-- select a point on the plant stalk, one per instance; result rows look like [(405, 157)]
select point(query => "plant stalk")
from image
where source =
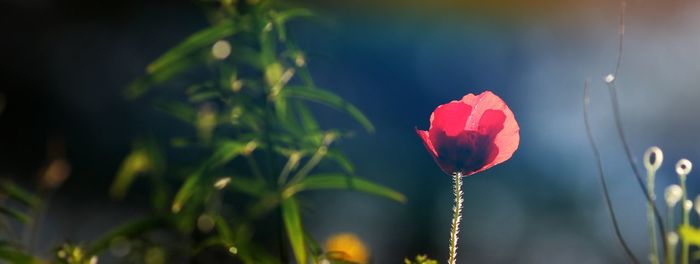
[(653, 250), (670, 249), (456, 217), (603, 181), (684, 241)]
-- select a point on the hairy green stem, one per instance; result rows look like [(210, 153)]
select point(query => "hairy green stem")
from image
[(456, 217), (653, 250)]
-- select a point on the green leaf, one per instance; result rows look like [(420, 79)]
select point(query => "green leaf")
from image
[(251, 187), (341, 159), (140, 86), (281, 19), (203, 96), (15, 192), (227, 150), (308, 123), (330, 99), (314, 248), (295, 233), (223, 229), (340, 181), (192, 51), (247, 55), (144, 157), (216, 242), (19, 216), (186, 191), (286, 15), (194, 42), (690, 234), (137, 162), (184, 112), (127, 230), (15, 256)]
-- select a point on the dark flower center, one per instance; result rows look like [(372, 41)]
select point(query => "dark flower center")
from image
[(466, 152)]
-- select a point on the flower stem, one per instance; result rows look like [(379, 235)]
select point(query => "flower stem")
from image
[(671, 250), (685, 222), (653, 251), (456, 217)]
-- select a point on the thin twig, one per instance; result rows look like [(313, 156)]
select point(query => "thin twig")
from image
[(621, 35), (601, 175), (618, 123), (633, 163)]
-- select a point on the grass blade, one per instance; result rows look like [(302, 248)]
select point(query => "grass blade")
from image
[(15, 192), (15, 214), (128, 230), (13, 255), (330, 99), (340, 181), (295, 233), (186, 191), (194, 42)]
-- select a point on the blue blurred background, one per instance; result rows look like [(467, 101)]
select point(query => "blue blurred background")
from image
[(65, 64)]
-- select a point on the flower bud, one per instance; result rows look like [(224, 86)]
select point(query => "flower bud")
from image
[(683, 167), (672, 238), (653, 158), (687, 205), (673, 194)]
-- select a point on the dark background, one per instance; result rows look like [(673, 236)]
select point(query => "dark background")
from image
[(64, 64)]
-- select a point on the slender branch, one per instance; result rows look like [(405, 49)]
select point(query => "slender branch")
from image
[(618, 122), (601, 175), (632, 162), (621, 37), (456, 217)]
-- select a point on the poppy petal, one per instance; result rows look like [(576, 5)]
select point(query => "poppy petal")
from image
[(488, 111), (450, 118), (426, 141), (480, 103), (508, 139)]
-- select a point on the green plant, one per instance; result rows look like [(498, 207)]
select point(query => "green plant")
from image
[(251, 144), (420, 259), (16, 218)]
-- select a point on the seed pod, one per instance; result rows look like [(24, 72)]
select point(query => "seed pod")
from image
[(653, 158), (683, 167), (687, 205), (673, 195)]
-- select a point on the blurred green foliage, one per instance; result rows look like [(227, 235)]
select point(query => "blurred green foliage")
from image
[(254, 146), (16, 207), (420, 259)]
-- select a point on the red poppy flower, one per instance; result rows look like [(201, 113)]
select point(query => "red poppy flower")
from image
[(472, 134)]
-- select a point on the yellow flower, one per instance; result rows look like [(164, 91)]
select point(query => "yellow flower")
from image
[(347, 247)]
